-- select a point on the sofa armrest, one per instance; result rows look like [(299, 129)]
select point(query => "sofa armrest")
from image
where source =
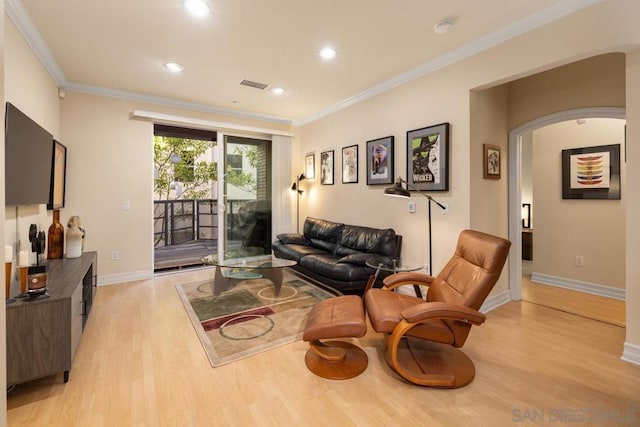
[(293, 238)]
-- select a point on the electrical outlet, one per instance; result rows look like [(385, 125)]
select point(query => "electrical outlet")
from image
[(579, 260), (126, 205), (115, 256), (412, 207)]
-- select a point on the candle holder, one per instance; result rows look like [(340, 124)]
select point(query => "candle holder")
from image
[(24, 272), (7, 283)]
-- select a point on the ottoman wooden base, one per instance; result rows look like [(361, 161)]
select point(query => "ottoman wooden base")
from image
[(336, 318), (352, 363)]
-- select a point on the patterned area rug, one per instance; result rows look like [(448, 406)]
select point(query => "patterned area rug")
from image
[(248, 318)]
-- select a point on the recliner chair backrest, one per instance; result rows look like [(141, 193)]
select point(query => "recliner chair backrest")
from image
[(473, 270)]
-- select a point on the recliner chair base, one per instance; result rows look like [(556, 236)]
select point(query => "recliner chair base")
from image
[(431, 364)]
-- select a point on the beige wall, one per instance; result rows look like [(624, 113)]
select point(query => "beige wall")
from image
[(592, 82), (632, 200), (394, 113), (564, 229), (489, 197)]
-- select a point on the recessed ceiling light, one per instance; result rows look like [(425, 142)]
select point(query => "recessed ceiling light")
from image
[(277, 90), (197, 7), (328, 53), (174, 67), (443, 27)]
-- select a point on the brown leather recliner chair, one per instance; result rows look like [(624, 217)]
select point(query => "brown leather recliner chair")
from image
[(423, 336)]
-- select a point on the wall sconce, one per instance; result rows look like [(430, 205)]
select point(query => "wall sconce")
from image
[(526, 215)]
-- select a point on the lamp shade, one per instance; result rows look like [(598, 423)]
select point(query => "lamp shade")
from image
[(397, 190)]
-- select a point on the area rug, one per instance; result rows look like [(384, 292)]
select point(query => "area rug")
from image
[(248, 318)]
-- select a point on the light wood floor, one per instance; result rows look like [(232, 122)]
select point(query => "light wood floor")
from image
[(140, 364), (595, 307)]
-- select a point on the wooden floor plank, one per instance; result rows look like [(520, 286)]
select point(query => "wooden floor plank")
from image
[(140, 363), (595, 307)]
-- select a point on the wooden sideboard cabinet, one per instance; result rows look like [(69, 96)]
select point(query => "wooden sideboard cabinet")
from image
[(43, 334)]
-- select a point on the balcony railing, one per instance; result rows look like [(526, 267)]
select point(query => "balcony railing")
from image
[(180, 221)]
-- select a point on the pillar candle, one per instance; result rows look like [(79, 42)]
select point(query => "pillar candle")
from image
[(23, 260), (8, 253)]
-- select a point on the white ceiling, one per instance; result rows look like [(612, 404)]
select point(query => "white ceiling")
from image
[(119, 47)]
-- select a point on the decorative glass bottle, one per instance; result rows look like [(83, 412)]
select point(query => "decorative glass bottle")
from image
[(75, 236), (55, 246)]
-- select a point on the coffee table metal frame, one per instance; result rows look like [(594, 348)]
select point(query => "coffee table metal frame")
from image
[(230, 272)]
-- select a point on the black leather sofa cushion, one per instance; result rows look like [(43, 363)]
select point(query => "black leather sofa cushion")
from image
[(328, 266), (370, 240)]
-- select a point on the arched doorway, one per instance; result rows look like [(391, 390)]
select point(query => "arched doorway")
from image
[(515, 172)]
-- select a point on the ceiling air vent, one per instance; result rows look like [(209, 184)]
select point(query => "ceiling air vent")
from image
[(256, 85)]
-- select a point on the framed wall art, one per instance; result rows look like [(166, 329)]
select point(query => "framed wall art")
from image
[(326, 168), (428, 158), (58, 176), (491, 160), (310, 166), (591, 172), (380, 159), (350, 164)]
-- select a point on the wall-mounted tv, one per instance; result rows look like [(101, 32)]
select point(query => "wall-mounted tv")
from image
[(28, 158)]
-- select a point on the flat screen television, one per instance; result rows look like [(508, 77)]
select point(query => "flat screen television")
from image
[(28, 160)]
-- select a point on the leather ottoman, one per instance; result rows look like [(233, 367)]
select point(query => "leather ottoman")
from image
[(340, 317)]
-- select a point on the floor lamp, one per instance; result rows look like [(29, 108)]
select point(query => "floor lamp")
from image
[(398, 191), (296, 187)]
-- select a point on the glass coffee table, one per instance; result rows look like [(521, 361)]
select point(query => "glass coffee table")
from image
[(229, 272), (395, 268)]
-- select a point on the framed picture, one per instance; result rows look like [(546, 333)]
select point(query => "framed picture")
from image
[(380, 159), (326, 168), (350, 164), (310, 166), (491, 161), (58, 176), (428, 158), (591, 172)]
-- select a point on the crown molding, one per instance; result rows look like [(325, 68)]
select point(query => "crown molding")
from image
[(529, 23), (23, 22), (170, 102)]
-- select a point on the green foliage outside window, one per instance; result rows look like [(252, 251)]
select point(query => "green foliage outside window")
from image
[(192, 173)]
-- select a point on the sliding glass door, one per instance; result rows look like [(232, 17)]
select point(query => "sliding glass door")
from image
[(246, 190)]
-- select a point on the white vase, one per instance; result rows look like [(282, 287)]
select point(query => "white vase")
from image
[(75, 236)]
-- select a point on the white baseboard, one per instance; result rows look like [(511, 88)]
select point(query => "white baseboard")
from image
[(576, 285), (631, 353), (494, 301), (112, 279)]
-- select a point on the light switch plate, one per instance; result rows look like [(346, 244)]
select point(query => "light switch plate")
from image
[(412, 207)]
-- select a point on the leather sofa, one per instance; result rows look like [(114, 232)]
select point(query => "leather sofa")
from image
[(335, 254)]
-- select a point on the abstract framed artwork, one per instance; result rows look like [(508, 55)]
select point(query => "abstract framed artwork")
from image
[(310, 166), (591, 172), (491, 160), (428, 158), (350, 164), (326, 167), (58, 176), (380, 161)]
